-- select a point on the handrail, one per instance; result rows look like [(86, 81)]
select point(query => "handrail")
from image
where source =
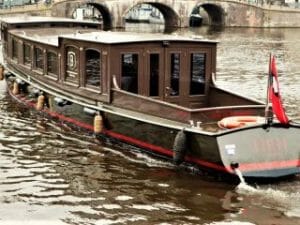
[(115, 83), (214, 79)]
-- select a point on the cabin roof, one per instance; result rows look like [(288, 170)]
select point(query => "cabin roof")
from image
[(47, 36), (51, 36)]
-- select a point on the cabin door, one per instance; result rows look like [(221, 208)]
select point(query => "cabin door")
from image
[(142, 71), (153, 84), (187, 75), (175, 62)]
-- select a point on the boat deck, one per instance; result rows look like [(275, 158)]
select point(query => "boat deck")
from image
[(49, 36)]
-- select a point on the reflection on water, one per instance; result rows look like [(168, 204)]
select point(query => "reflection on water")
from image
[(52, 175)]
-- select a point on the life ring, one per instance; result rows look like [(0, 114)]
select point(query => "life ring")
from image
[(240, 121)]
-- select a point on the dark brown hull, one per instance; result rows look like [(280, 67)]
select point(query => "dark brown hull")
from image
[(258, 151)]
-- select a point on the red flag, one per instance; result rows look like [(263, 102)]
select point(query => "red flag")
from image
[(274, 94)]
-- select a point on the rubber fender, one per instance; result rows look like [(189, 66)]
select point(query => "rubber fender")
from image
[(179, 147), (1, 72), (98, 124)]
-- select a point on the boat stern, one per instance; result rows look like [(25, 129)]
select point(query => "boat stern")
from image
[(261, 152)]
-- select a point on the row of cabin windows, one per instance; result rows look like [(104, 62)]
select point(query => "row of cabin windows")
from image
[(129, 68), (129, 81), (92, 67)]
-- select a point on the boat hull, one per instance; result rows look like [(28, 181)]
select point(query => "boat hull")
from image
[(258, 152)]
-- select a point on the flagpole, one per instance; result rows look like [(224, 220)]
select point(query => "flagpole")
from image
[(274, 103), (268, 112)]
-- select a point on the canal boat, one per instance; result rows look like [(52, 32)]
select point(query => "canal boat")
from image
[(144, 13), (156, 92), (196, 20)]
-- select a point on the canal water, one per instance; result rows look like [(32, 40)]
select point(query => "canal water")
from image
[(51, 174)]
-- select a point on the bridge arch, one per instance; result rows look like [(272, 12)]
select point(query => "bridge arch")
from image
[(106, 15), (71, 6), (171, 18), (216, 13)]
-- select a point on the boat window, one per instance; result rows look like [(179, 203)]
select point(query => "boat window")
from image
[(27, 54), (154, 75), (14, 49), (129, 72), (175, 74), (93, 68), (39, 59), (197, 83), (52, 63)]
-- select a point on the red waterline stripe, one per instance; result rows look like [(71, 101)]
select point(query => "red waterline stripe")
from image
[(208, 164), (60, 116), (164, 151), (139, 143), (270, 165), (107, 132), (70, 120), (243, 167)]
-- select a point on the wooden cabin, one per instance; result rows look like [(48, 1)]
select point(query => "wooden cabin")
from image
[(150, 73)]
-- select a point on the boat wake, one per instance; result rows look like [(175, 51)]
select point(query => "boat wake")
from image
[(246, 200), (140, 158), (2, 89), (280, 198), (230, 223)]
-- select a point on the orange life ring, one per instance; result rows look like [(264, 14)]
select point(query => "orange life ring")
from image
[(240, 121)]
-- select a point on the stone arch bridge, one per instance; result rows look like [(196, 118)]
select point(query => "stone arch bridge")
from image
[(234, 13)]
